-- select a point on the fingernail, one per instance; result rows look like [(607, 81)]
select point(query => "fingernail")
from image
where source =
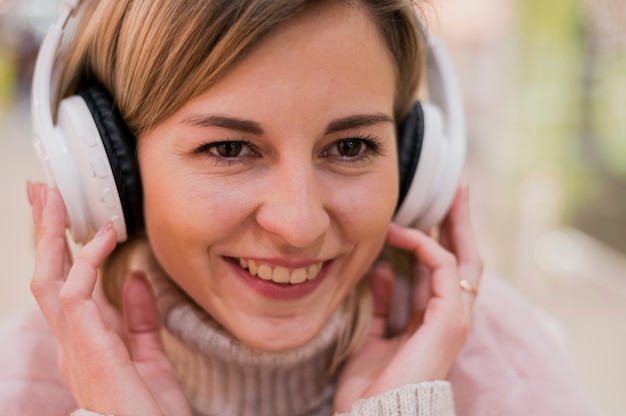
[(44, 196), (104, 229), (29, 191)]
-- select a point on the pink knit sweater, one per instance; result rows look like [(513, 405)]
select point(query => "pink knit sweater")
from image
[(513, 364)]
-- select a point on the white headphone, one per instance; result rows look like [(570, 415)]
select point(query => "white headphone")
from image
[(89, 155), (432, 183)]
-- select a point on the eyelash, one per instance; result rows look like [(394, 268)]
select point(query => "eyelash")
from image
[(373, 146), (205, 151)]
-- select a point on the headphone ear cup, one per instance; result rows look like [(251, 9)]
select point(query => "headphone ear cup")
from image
[(422, 184), (91, 159), (410, 135), (121, 149)]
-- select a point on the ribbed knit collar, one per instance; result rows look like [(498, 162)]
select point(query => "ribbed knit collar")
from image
[(224, 377)]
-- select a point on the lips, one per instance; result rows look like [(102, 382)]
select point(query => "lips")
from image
[(280, 274)]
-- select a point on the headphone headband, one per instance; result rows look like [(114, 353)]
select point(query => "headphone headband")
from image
[(42, 75)]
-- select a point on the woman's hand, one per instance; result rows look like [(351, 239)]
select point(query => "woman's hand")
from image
[(103, 375), (440, 316)]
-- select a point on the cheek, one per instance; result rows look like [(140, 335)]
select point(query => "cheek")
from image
[(191, 206), (363, 214), (186, 215), (372, 199), (364, 210)]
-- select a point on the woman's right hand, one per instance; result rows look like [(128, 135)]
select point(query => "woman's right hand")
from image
[(102, 373)]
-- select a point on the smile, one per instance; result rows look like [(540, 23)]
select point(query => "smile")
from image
[(280, 274)]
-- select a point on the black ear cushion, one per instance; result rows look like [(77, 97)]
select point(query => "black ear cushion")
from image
[(410, 136), (121, 148)]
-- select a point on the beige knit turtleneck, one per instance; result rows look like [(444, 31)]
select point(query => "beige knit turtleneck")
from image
[(224, 377)]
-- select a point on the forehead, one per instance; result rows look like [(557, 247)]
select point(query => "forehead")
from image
[(329, 57)]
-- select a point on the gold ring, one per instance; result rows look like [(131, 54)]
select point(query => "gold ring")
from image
[(468, 287)]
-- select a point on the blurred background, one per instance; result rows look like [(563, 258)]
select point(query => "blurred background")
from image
[(545, 90)]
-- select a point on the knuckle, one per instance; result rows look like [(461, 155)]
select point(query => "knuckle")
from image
[(448, 259), (83, 258), (67, 298), (37, 288)]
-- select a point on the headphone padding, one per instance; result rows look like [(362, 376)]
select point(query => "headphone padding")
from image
[(410, 136), (120, 145)]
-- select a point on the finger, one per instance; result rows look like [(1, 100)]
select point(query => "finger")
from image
[(455, 220), (76, 295), (420, 296), (440, 262), (458, 231), (381, 284), (52, 260), (459, 235), (401, 304), (30, 192), (142, 319), (445, 304), (35, 198)]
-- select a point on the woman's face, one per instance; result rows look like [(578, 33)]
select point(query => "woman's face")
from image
[(283, 171)]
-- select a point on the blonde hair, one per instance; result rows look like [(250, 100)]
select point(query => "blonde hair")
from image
[(153, 56)]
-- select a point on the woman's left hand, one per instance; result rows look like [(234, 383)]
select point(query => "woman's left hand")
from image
[(439, 321)]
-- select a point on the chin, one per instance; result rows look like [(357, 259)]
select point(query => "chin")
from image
[(285, 335)]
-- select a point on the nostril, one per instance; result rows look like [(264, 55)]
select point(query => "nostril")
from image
[(298, 227)]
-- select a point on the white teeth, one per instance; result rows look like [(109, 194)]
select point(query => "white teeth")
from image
[(281, 274), (252, 267), (312, 271), (265, 272), (298, 276)]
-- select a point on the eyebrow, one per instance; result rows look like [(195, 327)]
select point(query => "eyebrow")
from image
[(231, 123), (359, 120), (252, 127)]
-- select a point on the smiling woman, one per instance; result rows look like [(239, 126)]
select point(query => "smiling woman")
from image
[(259, 157), (285, 174)]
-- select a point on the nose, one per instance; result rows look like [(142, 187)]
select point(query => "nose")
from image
[(293, 207)]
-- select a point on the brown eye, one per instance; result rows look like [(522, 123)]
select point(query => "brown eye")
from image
[(349, 148), (228, 149)]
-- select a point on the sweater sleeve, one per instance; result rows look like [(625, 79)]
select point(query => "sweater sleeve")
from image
[(424, 399), (83, 412)]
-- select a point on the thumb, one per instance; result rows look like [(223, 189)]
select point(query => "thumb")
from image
[(141, 318), (381, 283)]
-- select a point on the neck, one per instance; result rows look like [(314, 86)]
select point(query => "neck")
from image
[(225, 377)]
